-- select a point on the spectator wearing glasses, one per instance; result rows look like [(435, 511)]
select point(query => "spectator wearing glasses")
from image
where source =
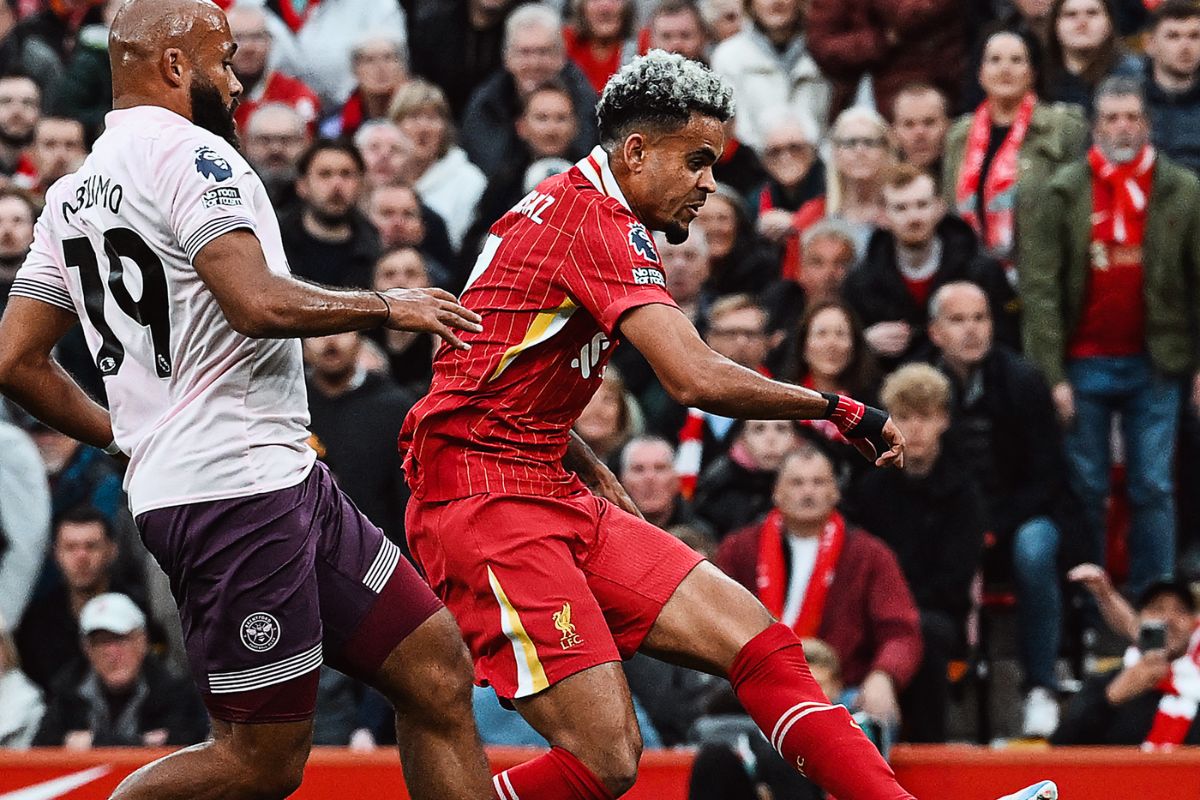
[(252, 65), (380, 69), (273, 138), (862, 155)]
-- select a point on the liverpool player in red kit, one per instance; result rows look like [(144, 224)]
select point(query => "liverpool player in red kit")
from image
[(551, 583)]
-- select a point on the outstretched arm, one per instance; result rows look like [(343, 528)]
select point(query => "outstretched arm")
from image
[(265, 304), (583, 462), (695, 375)]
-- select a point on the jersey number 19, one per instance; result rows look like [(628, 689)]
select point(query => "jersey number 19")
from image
[(150, 311)]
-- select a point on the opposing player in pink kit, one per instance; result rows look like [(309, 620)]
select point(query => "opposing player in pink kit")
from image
[(165, 247)]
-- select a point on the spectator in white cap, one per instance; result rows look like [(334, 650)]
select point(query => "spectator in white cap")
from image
[(125, 696)]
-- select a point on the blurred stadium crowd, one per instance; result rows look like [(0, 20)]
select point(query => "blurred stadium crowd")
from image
[(981, 215)]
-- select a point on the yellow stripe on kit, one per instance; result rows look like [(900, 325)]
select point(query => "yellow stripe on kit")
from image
[(531, 678), (544, 326)]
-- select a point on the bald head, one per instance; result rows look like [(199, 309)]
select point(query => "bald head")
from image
[(176, 54)]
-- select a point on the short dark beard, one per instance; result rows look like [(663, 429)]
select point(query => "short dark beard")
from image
[(676, 233), (16, 142), (330, 220), (210, 112)]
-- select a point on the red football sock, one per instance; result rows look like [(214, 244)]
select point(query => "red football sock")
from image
[(557, 775), (772, 680)]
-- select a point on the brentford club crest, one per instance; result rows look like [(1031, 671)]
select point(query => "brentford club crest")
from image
[(260, 632)]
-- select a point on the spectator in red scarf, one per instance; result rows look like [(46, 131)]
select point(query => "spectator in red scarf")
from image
[(824, 577), (997, 157), (598, 38), (380, 69), (1151, 699), (1110, 321), (251, 63), (795, 173)]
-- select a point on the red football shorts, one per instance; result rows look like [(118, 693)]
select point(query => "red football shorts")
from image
[(545, 587)]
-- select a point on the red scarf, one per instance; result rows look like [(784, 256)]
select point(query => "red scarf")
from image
[(1120, 193), (1180, 700), (772, 571), (294, 19), (999, 188), (690, 454)]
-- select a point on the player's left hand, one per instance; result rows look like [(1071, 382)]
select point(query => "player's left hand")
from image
[(605, 484), (885, 451), (431, 311)]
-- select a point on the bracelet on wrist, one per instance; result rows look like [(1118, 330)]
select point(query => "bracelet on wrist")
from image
[(387, 307)]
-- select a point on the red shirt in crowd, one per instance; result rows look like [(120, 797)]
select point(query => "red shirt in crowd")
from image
[(279, 88), (870, 618)]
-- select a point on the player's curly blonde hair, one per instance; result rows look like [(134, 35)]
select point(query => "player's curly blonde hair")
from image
[(660, 90)]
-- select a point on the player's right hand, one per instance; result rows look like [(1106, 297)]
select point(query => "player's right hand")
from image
[(892, 446), (431, 311)]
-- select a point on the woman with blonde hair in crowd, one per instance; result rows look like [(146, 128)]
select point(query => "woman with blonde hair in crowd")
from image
[(862, 151), (446, 180), (21, 704)]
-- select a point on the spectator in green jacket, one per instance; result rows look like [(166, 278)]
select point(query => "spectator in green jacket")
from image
[(1109, 268)]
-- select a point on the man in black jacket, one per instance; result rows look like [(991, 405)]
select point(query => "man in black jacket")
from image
[(457, 44), (1004, 424), (932, 515), (921, 248), (356, 417), (125, 697), (534, 53), (328, 240)]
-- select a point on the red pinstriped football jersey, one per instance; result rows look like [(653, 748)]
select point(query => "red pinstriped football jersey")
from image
[(555, 276)]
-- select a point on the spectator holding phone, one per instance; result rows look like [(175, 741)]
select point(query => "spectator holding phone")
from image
[(1153, 698)]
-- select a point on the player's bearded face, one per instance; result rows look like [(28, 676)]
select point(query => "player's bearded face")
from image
[(211, 111)]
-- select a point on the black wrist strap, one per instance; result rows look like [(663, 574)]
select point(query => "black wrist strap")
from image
[(832, 400), (870, 427)]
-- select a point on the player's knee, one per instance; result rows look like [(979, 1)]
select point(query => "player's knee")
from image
[(266, 771), (613, 757), (276, 780), (620, 763)]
